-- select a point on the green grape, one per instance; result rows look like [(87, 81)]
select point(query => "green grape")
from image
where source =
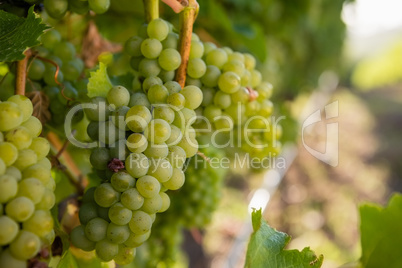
[(158, 131), (65, 50), (177, 100), (228, 50), (163, 112), (72, 69), (8, 153), (122, 181), (99, 158), (156, 150), (93, 130), (10, 116), (20, 137), (152, 205), (172, 87), (109, 133), (133, 46), (99, 6), (169, 59), (50, 76), (176, 181), (40, 146), (189, 145), (222, 99), (118, 96), (208, 47), (69, 92), (105, 195), (171, 41), (137, 165), (267, 108), (255, 78), (149, 82), (106, 250), (40, 223), (193, 82), (89, 195), (78, 6), (212, 112), (117, 234), (229, 82), (125, 256), (119, 117), (224, 122), (235, 66), (135, 240), (25, 246), (37, 171), (33, 125), (135, 62), (2, 167), (50, 38), (161, 169), (166, 76), (158, 29), (197, 49), (165, 202), (176, 157), (137, 143), (184, 118), (140, 223), (48, 200), (51, 185), (246, 78), (8, 230), (237, 56), (8, 260), (95, 229), (137, 118), (249, 61), (242, 95), (196, 68), (132, 199), (148, 186), (56, 8), (36, 69), (158, 94), (103, 213), (211, 76), (151, 48), (87, 212), (217, 57), (119, 214), (264, 91), (99, 110), (79, 240), (8, 188), (26, 158), (193, 96), (175, 136)]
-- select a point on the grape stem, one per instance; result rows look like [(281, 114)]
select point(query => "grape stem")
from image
[(69, 168), (151, 10), (187, 18), (21, 77)]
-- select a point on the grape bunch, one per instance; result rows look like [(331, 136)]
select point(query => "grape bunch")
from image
[(69, 86), (235, 99), (26, 185)]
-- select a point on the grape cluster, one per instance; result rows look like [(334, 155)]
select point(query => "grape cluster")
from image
[(69, 86), (26, 185)]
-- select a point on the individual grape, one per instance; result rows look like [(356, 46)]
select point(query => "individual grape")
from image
[(217, 57), (78, 6), (157, 94), (125, 256), (26, 158), (222, 99), (175, 136), (99, 6), (137, 165), (133, 46), (152, 205), (169, 59), (105, 195), (119, 214), (72, 69), (140, 223), (41, 147), (177, 100), (255, 78), (96, 229), (176, 157), (40, 223), (234, 66), (20, 137), (212, 112), (148, 186), (264, 91), (151, 48), (172, 87), (109, 133), (50, 77), (156, 150), (193, 96), (171, 41), (36, 69), (242, 95), (158, 131), (211, 76), (117, 234), (149, 82), (229, 82), (137, 118), (8, 188), (37, 171), (176, 181), (122, 181), (65, 51), (137, 143), (48, 200), (163, 112), (8, 230), (25, 246), (97, 110), (189, 145), (167, 76), (249, 61), (8, 260), (106, 250), (8, 153), (158, 29), (161, 169), (56, 8), (87, 212), (197, 49), (132, 199), (135, 240), (10, 116), (99, 158), (165, 202), (50, 39), (196, 68), (79, 239)]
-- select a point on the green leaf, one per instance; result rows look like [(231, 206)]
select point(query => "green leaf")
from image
[(266, 248), (67, 261), (381, 236), (17, 34), (99, 83)]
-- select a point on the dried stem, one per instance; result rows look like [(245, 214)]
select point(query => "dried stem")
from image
[(151, 9), (21, 77)]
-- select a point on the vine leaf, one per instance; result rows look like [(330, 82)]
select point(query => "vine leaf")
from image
[(266, 248), (40, 104), (17, 34), (381, 236), (99, 83)]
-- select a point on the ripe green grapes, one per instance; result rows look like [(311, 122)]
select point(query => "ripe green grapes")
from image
[(26, 185)]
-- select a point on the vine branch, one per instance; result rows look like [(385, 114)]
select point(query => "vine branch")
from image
[(21, 77)]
